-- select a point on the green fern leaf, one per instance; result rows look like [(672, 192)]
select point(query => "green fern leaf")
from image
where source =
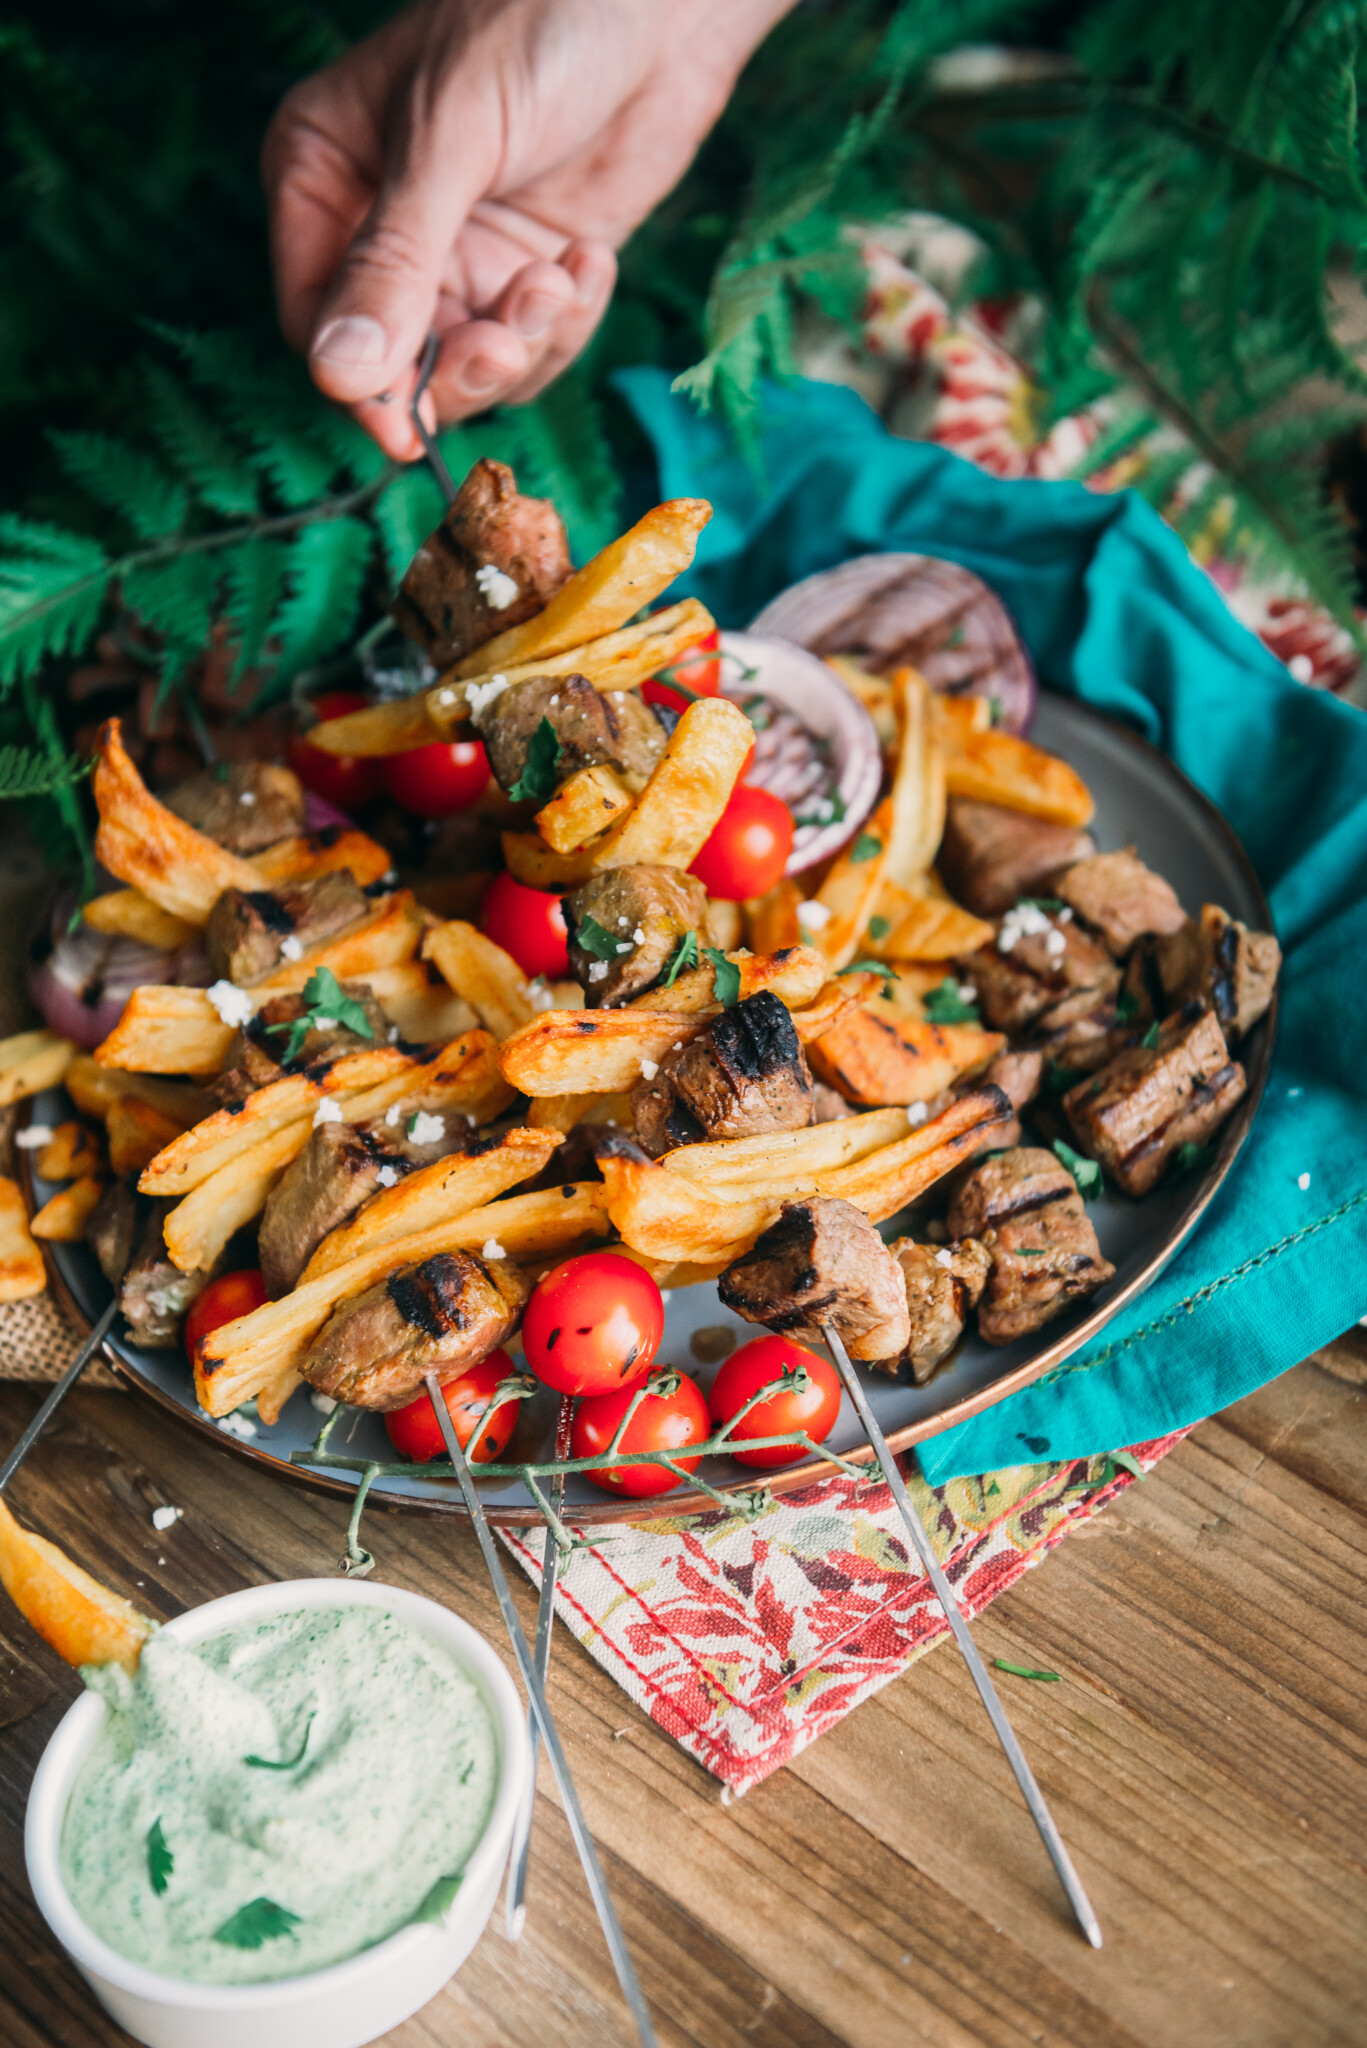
[(175, 598), (30, 772), (409, 509), (326, 572), (125, 479), (255, 578), (52, 589), (218, 472)]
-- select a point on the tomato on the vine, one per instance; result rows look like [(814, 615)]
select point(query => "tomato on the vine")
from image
[(529, 924), (414, 1431), (699, 671), (593, 1324), (782, 1413), (667, 1422), (747, 849), (223, 1301), (435, 780), (347, 780)]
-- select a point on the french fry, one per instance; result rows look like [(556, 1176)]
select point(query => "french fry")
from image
[(562, 1112), (463, 1079), (998, 768), (95, 1089), (381, 728), (956, 718), (898, 1058), (198, 1228), (725, 925), (591, 1052), (305, 858), (448, 1187), (918, 787), (234, 1363), (62, 1219), (687, 791), (911, 926), (775, 1159), (850, 890), (425, 1008), (167, 1030), (873, 692), (489, 979), (671, 1217), (529, 859), (30, 1062), (392, 935), (795, 977), (152, 849), (771, 922), (85, 1622), (71, 1152), (128, 914), (840, 994), (886, 1181), (22, 1271), (137, 1133), (582, 808)]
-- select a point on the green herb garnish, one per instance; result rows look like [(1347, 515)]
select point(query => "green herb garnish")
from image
[(889, 974), (865, 847), (1191, 1158), (1050, 905), (325, 1002), (759, 711), (437, 1902), (259, 1921), (160, 1861), (879, 927), (1127, 1006), (1086, 1173), (1024, 1671), (685, 955), (1030, 1251), (595, 939), (994, 710), (261, 1763), (726, 977), (1060, 1079), (944, 1005), (538, 778), (1150, 1039), (835, 814)]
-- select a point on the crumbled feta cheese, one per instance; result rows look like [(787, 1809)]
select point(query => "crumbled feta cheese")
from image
[(392, 1114), (917, 1114), (479, 696), (162, 1518), (496, 587), (292, 948), (624, 945), (393, 1034), (492, 1249), (324, 1403), (677, 1045), (816, 916), (1023, 920), (390, 877), (1303, 1181), (945, 1259), (639, 935), (446, 697), (1064, 916), (328, 1112), (426, 1129), (248, 797), (598, 970), (388, 1176), (621, 924), (1056, 945), (233, 1004), (240, 1426), (322, 1023), (553, 701), (540, 995), (35, 1135), (649, 1069)]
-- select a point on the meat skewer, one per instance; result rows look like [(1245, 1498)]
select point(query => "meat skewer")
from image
[(58, 1395), (515, 1899), (427, 362), (531, 1678)]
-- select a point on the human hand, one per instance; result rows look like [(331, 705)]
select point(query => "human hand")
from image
[(470, 169)]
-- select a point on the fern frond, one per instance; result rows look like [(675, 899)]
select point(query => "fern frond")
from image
[(28, 772), (216, 469), (405, 513), (326, 573), (254, 574), (131, 483), (175, 598), (52, 589)]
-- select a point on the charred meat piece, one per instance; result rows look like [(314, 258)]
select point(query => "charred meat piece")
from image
[(595, 728), (496, 559), (1119, 897), (250, 931), (1026, 1212), (645, 911), (943, 1283), (1134, 1114), (1019, 1075), (990, 856), (744, 1075), (125, 1231), (823, 1262), (244, 805), (440, 1316), (1038, 960), (1241, 969), (254, 1057), (112, 1227)]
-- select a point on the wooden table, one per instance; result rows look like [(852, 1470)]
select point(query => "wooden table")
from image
[(1206, 1757)]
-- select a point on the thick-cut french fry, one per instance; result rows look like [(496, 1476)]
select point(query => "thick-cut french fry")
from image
[(85, 1622), (998, 768), (448, 1187), (774, 1159), (233, 1363), (70, 1153), (425, 1008), (95, 1089), (886, 1181), (672, 1217), (908, 925), (152, 849), (771, 922), (687, 791), (167, 1030), (198, 1228), (394, 934), (390, 728), (490, 980), (560, 1112), (128, 914), (850, 890), (897, 1058), (582, 808), (873, 692), (955, 718), (529, 859), (841, 993), (796, 977), (463, 1079), (137, 1133), (62, 1219), (624, 577), (22, 1271), (918, 787), (314, 854), (30, 1062), (591, 1052)]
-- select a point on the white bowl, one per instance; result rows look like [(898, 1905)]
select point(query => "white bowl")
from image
[(351, 2002)]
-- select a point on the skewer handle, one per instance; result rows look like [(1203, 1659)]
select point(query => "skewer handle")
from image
[(963, 1636), (515, 1892), (435, 461), (58, 1395)]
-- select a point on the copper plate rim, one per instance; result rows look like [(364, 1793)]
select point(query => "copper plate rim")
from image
[(693, 1501)]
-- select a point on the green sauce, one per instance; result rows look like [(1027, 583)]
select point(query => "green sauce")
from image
[(391, 1766)]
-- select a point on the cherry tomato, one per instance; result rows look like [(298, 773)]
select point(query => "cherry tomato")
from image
[(413, 1429), (750, 1368), (593, 1324), (747, 849), (434, 781), (529, 924), (698, 671), (347, 780), (663, 1422), (223, 1301)]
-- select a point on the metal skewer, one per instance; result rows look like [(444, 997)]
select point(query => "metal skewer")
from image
[(954, 1615), (583, 1840), (57, 1396), (427, 362), (515, 1897)]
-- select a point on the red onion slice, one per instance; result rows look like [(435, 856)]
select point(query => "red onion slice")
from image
[(81, 984)]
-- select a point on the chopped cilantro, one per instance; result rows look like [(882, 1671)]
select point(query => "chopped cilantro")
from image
[(1127, 1006), (1048, 904), (726, 978), (865, 847), (1150, 1039), (879, 927), (889, 974), (259, 1921), (1191, 1158), (1085, 1172), (685, 955), (289, 1763), (1025, 1671), (324, 998), (944, 1005), (437, 1902), (160, 1861), (595, 939), (537, 781)]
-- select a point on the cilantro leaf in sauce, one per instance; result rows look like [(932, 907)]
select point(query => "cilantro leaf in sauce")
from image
[(160, 1861), (256, 1923)]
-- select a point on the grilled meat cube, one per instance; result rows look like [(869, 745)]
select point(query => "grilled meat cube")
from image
[(249, 929), (1240, 970), (1024, 1209), (440, 1316), (1134, 1114), (943, 1283), (595, 728), (1120, 898), (1081, 1033), (1019, 1075), (255, 1055), (1038, 960), (828, 1104), (449, 601), (659, 904), (823, 1262), (990, 856), (125, 1231), (244, 805), (744, 1075)]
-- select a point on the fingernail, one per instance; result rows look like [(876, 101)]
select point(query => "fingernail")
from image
[(355, 340), (481, 373), (534, 314)]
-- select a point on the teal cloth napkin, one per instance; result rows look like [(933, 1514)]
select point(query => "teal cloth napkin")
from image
[(1114, 611)]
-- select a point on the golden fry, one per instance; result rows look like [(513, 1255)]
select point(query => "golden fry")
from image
[(62, 1219), (85, 1622), (489, 979), (918, 788), (137, 1133), (198, 1228), (94, 1090), (167, 1030), (957, 718), (998, 768), (152, 849), (687, 790), (672, 1217), (71, 1152), (392, 935), (591, 1052), (850, 890), (840, 994), (530, 860), (305, 858), (463, 1079), (424, 1006), (771, 922), (22, 1271), (128, 914), (796, 980), (773, 1159), (886, 1181), (587, 804), (908, 925), (896, 1058), (873, 692), (30, 1062)]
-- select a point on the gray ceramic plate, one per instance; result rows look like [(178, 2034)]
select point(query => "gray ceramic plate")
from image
[(1142, 800)]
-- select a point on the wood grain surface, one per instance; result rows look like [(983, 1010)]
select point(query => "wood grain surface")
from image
[(1205, 1756)]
